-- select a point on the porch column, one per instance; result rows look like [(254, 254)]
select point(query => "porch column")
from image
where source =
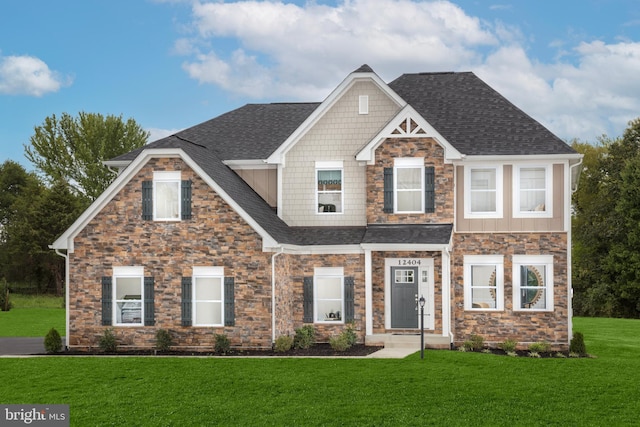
[(368, 293), (446, 292)]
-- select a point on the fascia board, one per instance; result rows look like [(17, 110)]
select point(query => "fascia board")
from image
[(427, 247), (367, 153), (279, 154), (321, 249), (521, 157), (65, 241)]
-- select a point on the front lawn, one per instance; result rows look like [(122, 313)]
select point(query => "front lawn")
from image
[(33, 316), (446, 388)]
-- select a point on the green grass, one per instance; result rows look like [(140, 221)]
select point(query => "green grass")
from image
[(447, 388), (32, 316)]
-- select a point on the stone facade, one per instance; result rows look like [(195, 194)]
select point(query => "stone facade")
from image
[(215, 236), (523, 327)]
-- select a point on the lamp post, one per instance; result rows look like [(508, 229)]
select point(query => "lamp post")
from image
[(421, 301)]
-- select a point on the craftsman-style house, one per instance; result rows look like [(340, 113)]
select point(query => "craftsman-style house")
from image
[(273, 216)]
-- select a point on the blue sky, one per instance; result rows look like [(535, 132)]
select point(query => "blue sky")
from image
[(574, 65)]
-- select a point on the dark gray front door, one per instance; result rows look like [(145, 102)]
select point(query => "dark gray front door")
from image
[(404, 291)]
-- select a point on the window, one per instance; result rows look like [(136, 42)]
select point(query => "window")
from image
[(363, 104), (329, 187), (483, 195), (532, 191), (328, 296), (208, 298), (127, 293), (166, 198), (533, 282), (484, 282)]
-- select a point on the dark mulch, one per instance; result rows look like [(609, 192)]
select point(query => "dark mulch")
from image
[(318, 350), (527, 353)]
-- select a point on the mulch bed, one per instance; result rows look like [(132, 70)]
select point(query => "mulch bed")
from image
[(318, 350)]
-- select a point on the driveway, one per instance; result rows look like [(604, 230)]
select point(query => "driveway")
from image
[(17, 346)]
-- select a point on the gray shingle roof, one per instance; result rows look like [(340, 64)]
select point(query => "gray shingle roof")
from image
[(473, 117)]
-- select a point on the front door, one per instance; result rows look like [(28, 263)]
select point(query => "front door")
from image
[(404, 294)]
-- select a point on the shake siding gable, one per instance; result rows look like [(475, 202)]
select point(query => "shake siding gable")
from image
[(338, 135)]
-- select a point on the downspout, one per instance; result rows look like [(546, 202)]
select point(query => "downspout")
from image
[(66, 296), (273, 295)]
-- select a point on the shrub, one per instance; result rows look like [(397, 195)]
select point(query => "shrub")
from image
[(108, 342), (164, 341), (509, 345), (5, 300), (305, 337), (467, 346), (222, 344), (350, 333), (52, 341), (540, 347), (283, 343), (534, 354), (340, 342), (477, 342), (577, 344)]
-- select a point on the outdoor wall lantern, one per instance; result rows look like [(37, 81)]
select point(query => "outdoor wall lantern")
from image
[(421, 302)]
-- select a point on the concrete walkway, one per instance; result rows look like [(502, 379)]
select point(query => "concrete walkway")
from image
[(25, 346)]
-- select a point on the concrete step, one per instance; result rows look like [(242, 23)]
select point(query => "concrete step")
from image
[(407, 340)]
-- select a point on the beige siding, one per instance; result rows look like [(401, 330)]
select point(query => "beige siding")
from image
[(508, 223), (263, 181), (338, 135)]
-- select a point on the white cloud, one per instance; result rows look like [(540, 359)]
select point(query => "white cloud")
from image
[(27, 75), (157, 133), (276, 50)]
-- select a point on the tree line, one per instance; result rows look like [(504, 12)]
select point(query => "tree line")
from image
[(36, 207)]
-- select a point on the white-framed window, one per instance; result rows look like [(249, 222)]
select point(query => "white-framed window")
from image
[(484, 282), (409, 185), (532, 191), (483, 195), (328, 294), (363, 104), (128, 290), (533, 282), (329, 187), (208, 296), (166, 195)]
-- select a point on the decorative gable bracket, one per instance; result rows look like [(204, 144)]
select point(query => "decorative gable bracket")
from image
[(407, 123)]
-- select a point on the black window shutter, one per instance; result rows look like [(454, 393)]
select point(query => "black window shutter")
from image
[(107, 302), (186, 301), (186, 199), (388, 190), (147, 200), (229, 302), (349, 304), (307, 300), (429, 189), (149, 309)]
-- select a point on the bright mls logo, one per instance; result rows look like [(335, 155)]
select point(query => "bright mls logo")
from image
[(36, 415)]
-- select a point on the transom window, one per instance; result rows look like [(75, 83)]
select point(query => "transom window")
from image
[(483, 197), (484, 282), (533, 282), (166, 195), (127, 294), (208, 296), (329, 187), (532, 191), (409, 185), (329, 294)]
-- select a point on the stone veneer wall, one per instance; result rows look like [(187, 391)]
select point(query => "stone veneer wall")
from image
[(291, 270), (215, 236), (378, 285), (524, 327), (433, 154)]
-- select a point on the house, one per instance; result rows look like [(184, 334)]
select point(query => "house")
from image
[(273, 216)]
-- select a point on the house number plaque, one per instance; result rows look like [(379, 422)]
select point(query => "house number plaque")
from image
[(409, 262)]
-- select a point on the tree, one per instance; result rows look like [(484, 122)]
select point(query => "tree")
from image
[(606, 227), (72, 149)]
